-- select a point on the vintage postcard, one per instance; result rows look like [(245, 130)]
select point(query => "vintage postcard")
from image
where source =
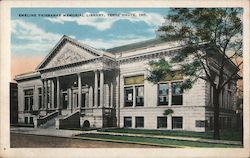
[(122, 79)]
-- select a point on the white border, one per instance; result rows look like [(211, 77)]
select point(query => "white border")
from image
[(5, 62)]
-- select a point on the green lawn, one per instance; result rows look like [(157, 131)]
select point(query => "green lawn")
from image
[(225, 134), (155, 141)]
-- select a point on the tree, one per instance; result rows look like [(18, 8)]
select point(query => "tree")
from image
[(211, 39)]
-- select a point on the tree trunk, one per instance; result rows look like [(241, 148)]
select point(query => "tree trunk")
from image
[(216, 103)]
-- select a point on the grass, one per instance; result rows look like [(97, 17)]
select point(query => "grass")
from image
[(153, 141), (225, 134)]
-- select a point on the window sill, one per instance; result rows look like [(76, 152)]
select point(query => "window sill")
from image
[(162, 105)]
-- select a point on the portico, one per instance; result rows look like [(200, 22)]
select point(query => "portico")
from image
[(77, 80)]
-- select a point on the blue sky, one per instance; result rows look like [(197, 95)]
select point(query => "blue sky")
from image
[(35, 36)]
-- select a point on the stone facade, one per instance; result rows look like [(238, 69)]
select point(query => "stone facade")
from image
[(107, 88)]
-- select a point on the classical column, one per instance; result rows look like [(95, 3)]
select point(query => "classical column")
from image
[(43, 105), (101, 88), (52, 103), (96, 90), (111, 94), (58, 93), (49, 94), (79, 90), (90, 96), (46, 94)]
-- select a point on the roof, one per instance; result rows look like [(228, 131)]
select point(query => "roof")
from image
[(142, 44)]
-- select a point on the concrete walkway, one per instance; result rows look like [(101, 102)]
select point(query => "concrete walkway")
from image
[(72, 133)]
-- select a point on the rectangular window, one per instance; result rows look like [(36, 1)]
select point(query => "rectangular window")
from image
[(139, 122), (163, 91), (26, 121), (199, 123), (139, 95), (177, 91), (28, 100), (177, 122), (128, 96), (133, 88), (161, 122), (127, 122), (31, 120)]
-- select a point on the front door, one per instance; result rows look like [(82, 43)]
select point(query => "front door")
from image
[(65, 100)]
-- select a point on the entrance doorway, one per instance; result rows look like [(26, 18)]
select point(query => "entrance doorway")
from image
[(83, 99), (65, 100)]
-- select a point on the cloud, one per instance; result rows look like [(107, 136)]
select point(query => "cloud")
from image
[(105, 21), (37, 40)]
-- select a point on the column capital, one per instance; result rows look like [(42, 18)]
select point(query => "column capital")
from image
[(78, 73)]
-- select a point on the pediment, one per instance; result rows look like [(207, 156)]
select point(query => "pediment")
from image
[(67, 52)]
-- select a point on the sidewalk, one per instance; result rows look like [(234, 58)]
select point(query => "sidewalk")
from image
[(72, 133)]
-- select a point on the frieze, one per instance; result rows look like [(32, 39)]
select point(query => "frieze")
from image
[(96, 64), (147, 57)]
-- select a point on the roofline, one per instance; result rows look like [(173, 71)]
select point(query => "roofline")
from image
[(28, 75)]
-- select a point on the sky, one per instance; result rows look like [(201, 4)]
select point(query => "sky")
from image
[(34, 32)]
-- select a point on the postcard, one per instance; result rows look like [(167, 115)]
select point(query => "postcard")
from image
[(123, 78)]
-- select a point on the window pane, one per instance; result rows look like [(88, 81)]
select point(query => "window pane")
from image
[(26, 103), (128, 96), (139, 122), (127, 121), (31, 103), (177, 122), (161, 122), (199, 123), (163, 94), (139, 95), (177, 98)]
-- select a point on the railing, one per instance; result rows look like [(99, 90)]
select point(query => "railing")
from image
[(42, 120)]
